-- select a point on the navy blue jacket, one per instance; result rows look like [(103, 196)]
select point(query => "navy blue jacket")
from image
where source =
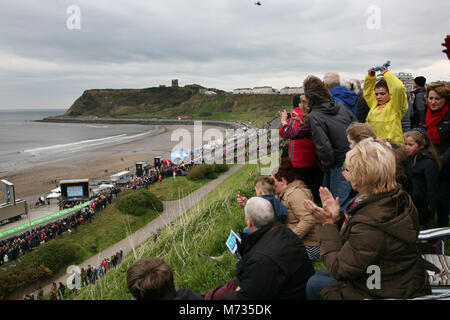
[(279, 209), (346, 96), (424, 175)]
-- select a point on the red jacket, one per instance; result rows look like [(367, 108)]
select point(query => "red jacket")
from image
[(301, 151)]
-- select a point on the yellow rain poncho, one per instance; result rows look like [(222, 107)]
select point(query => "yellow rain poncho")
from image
[(386, 120)]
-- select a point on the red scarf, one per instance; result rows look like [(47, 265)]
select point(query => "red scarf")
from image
[(431, 120)]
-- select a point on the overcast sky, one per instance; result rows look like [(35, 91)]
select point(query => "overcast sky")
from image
[(47, 61)]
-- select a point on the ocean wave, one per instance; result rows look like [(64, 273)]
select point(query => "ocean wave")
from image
[(86, 144), (97, 127)]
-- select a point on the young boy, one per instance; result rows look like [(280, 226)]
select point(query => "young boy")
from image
[(152, 279), (264, 189)]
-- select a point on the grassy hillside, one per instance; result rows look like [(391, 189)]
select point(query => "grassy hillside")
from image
[(170, 102), (189, 242)]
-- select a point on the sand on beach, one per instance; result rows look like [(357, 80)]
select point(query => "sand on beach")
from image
[(96, 164)]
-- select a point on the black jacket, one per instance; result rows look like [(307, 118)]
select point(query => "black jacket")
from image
[(419, 109), (274, 265), (443, 149), (363, 107), (424, 174), (187, 294), (328, 122)]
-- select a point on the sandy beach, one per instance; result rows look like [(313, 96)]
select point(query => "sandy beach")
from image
[(96, 165)]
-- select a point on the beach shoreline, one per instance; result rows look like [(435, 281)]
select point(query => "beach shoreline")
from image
[(98, 164)]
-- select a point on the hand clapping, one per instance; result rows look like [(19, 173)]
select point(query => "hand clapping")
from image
[(330, 212)]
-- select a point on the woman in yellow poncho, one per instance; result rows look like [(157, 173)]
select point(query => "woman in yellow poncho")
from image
[(388, 104)]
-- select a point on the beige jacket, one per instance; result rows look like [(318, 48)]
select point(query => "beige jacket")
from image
[(299, 219)]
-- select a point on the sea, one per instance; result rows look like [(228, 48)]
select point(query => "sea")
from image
[(25, 143)]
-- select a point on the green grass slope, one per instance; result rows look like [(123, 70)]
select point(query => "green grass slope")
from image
[(202, 230)]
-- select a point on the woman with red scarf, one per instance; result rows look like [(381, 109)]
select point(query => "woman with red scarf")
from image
[(437, 124)]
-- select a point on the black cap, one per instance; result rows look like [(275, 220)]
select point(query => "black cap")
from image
[(420, 81)]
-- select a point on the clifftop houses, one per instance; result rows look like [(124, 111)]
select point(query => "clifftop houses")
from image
[(268, 90)]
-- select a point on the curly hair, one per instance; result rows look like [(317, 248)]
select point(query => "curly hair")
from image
[(372, 167), (442, 88), (316, 90)]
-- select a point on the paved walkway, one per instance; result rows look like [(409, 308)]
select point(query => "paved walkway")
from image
[(172, 210)]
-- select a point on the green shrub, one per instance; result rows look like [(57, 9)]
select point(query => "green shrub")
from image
[(212, 175), (219, 168), (138, 202), (46, 261), (206, 171), (199, 171), (55, 255)]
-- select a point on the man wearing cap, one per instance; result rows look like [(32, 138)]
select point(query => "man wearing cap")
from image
[(419, 106)]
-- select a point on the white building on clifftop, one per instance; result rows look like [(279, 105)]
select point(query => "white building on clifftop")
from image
[(242, 91), (291, 90), (256, 90)]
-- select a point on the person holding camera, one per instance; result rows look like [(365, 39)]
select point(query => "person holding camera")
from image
[(388, 104), (302, 152)]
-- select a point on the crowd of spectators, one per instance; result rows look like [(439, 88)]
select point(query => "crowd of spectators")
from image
[(14, 247), (385, 168), (375, 196), (85, 277), (158, 174)]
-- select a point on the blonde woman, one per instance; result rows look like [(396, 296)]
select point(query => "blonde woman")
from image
[(378, 236)]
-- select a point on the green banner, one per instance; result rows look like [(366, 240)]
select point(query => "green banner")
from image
[(52, 216)]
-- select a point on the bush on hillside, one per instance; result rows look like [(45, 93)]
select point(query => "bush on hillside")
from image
[(44, 262), (138, 202), (206, 171), (220, 168), (11, 281), (54, 255)]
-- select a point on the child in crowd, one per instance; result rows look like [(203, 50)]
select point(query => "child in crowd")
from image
[(264, 188), (357, 132), (152, 279), (423, 170)]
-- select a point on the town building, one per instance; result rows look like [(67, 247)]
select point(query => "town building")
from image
[(291, 90), (407, 79), (242, 91)]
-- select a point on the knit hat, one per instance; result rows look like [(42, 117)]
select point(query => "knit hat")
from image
[(420, 81)]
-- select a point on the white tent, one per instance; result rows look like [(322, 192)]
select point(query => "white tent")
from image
[(53, 195), (103, 187), (57, 190)]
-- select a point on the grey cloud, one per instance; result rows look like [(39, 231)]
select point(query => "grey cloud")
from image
[(229, 43)]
